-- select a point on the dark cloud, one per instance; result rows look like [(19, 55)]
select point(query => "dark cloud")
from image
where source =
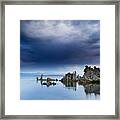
[(42, 48)]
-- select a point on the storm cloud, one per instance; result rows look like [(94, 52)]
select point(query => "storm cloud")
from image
[(59, 42)]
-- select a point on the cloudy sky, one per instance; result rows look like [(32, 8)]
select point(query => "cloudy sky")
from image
[(56, 44)]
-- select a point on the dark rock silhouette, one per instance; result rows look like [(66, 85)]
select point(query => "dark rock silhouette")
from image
[(90, 80), (92, 74), (70, 76)]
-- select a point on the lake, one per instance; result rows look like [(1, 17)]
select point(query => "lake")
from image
[(30, 89)]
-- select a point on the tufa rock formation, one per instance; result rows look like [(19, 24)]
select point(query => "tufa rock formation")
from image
[(92, 74)]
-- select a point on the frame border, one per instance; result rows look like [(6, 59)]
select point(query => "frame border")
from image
[(55, 2)]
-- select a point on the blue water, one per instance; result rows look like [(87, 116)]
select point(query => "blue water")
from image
[(30, 89)]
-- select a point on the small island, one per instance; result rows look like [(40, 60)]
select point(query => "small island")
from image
[(90, 80)]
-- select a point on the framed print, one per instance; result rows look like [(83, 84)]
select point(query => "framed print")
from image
[(60, 59)]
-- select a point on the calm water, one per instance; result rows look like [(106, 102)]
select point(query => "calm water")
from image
[(30, 89)]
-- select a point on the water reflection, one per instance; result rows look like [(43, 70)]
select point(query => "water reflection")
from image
[(71, 84), (92, 88), (47, 82)]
